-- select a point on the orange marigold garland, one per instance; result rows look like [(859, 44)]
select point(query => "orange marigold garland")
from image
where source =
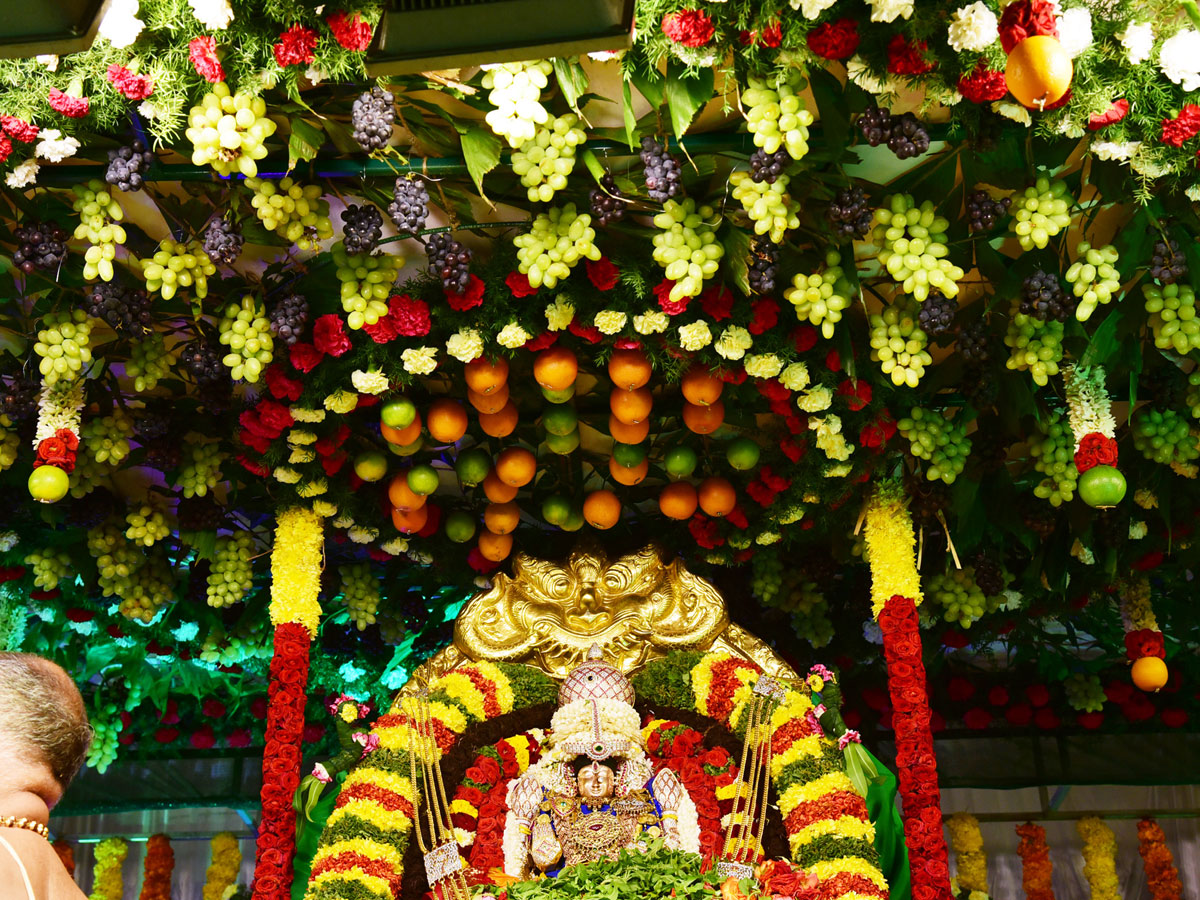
[(156, 872), (1036, 868), (1161, 874), (66, 853)]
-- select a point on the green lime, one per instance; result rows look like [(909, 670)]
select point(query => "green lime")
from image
[(423, 479), (370, 466), (680, 462), (408, 449), (628, 455), (559, 419), (556, 509), (559, 396), (574, 521), (460, 527), (743, 454), (472, 466), (563, 444), (399, 412)]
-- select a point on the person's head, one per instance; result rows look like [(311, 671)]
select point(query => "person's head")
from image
[(44, 731), (595, 781)]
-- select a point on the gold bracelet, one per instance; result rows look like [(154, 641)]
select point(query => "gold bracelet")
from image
[(26, 824)]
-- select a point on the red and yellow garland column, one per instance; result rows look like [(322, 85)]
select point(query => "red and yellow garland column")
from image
[(295, 612), (895, 593)]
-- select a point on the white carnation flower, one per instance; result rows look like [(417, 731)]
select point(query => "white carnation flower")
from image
[(419, 360), (795, 377), (315, 75), (1014, 111), (857, 71), (1075, 30), (815, 400), (651, 322), (610, 321), (512, 336), (812, 8), (371, 381), (465, 345), (53, 147), (1119, 150), (285, 475), (360, 534), (734, 342), (151, 110), (1138, 41), (1179, 59), (212, 13), (559, 314), (890, 10), (1147, 165), (23, 175), (973, 28), (695, 336), (763, 365), (120, 25), (394, 547)]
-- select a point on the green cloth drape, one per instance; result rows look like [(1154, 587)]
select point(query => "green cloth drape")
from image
[(889, 832)]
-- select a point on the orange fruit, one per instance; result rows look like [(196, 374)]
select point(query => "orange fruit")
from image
[(502, 518), (1039, 71), (516, 466), (485, 376), (555, 368), (494, 547), (677, 500), (496, 490), (628, 475), (628, 434), (631, 407), (629, 369), (500, 424), (410, 521), (446, 420), (717, 497), (602, 509), (703, 419), (489, 404), (701, 386), (402, 437), (402, 497)]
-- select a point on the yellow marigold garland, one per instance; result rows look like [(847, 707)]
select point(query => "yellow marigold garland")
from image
[(296, 562), (225, 865), (891, 550), (107, 883), (1099, 858), (967, 842)]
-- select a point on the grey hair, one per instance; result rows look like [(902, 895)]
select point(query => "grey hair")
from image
[(42, 712)]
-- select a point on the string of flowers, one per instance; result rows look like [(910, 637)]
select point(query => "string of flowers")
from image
[(1099, 858), (1036, 868), (895, 593), (107, 882), (1161, 874), (1089, 412), (157, 869), (56, 438), (1144, 644), (223, 870), (967, 842)]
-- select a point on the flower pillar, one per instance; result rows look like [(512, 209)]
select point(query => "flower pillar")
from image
[(895, 593), (295, 612)]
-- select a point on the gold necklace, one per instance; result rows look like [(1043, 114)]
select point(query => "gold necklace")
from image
[(26, 824)]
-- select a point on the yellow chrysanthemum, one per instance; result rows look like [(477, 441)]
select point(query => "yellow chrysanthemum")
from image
[(891, 551), (296, 562), (844, 826), (852, 865)]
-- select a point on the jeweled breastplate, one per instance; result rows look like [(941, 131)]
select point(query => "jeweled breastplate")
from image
[(588, 834)]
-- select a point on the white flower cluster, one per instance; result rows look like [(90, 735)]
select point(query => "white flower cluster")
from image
[(1179, 59), (1138, 41), (1075, 30), (419, 360), (212, 13), (890, 10), (120, 25), (59, 407), (973, 28), (1089, 408), (465, 345), (53, 147)]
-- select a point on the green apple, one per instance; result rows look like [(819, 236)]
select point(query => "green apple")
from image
[(399, 412), (680, 462), (742, 454)]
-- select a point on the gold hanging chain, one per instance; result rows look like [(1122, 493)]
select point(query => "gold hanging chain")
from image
[(769, 752), (437, 807), (752, 714)]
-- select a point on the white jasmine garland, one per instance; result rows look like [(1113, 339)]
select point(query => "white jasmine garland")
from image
[(890, 10), (59, 408), (371, 381), (734, 342), (1179, 59), (1089, 408), (651, 322), (120, 25), (610, 321), (465, 345), (53, 147), (695, 336), (795, 377), (419, 360), (1075, 30), (1138, 41), (810, 9), (559, 314), (763, 365), (1118, 150), (973, 28), (512, 336), (212, 13)]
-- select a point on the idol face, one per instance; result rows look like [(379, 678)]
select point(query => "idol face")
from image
[(595, 782)]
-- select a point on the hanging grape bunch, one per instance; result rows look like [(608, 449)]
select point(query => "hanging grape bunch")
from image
[(557, 241), (1173, 317), (766, 578), (49, 567), (851, 214), (41, 246), (1167, 263), (10, 443), (99, 218), (366, 283), (177, 265), (809, 609), (514, 90), (362, 227), (1043, 298), (245, 330), (769, 206), (127, 310), (371, 119), (202, 470), (686, 246), (767, 167), (820, 298), (450, 261), (288, 318), (106, 438), (1041, 213), (775, 114), (937, 440), (1084, 692), (127, 166), (106, 730), (544, 162), (1164, 436), (231, 576), (293, 211), (1094, 277), (228, 131), (1036, 346), (203, 362), (360, 591), (223, 241), (607, 203), (898, 345), (936, 315), (149, 360), (914, 247), (762, 268), (63, 345), (147, 525), (410, 205), (662, 171), (991, 578), (19, 398), (959, 595), (904, 135), (984, 212), (1054, 456), (151, 588)]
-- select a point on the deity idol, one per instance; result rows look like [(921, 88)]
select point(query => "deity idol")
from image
[(594, 792)]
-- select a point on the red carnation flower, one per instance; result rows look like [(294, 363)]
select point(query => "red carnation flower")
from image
[(602, 273), (627, 344), (804, 338), (477, 562), (983, 85), (1174, 718), (662, 292), (296, 46), (252, 467), (213, 709), (18, 129), (907, 58), (858, 393), (960, 689), (541, 342), (239, 737), (304, 357), (589, 333), (468, 299), (202, 52), (1115, 113), (738, 519), (1038, 694), (135, 87), (875, 434), (406, 316), (736, 375), (1025, 18), (717, 302), (280, 386), (977, 718), (71, 107), (1090, 720), (689, 27), (766, 315), (166, 735), (705, 532), (329, 335), (834, 40), (519, 285), (351, 31), (5, 147), (998, 696), (1183, 127)]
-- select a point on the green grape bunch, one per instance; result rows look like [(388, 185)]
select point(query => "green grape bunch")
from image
[(1043, 211), (151, 588), (201, 472), (555, 243), (1084, 692), (49, 568), (1094, 278), (63, 343), (231, 575), (544, 162), (821, 298), (116, 559), (1192, 397), (106, 729), (147, 525), (228, 131), (149, 361), (899, 345), (959, 595), (1035, 346), (1053, 452), (360, 590), (100, 215), (686, 246), (10, 443), (1173, 319), (246, 331), (178, 265), (514, 90), (775, 114), (766, 578), (769, 206), (1164, 436), (106, 438), (938, 440), (293, 211), (914, 251), (366, 283)]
